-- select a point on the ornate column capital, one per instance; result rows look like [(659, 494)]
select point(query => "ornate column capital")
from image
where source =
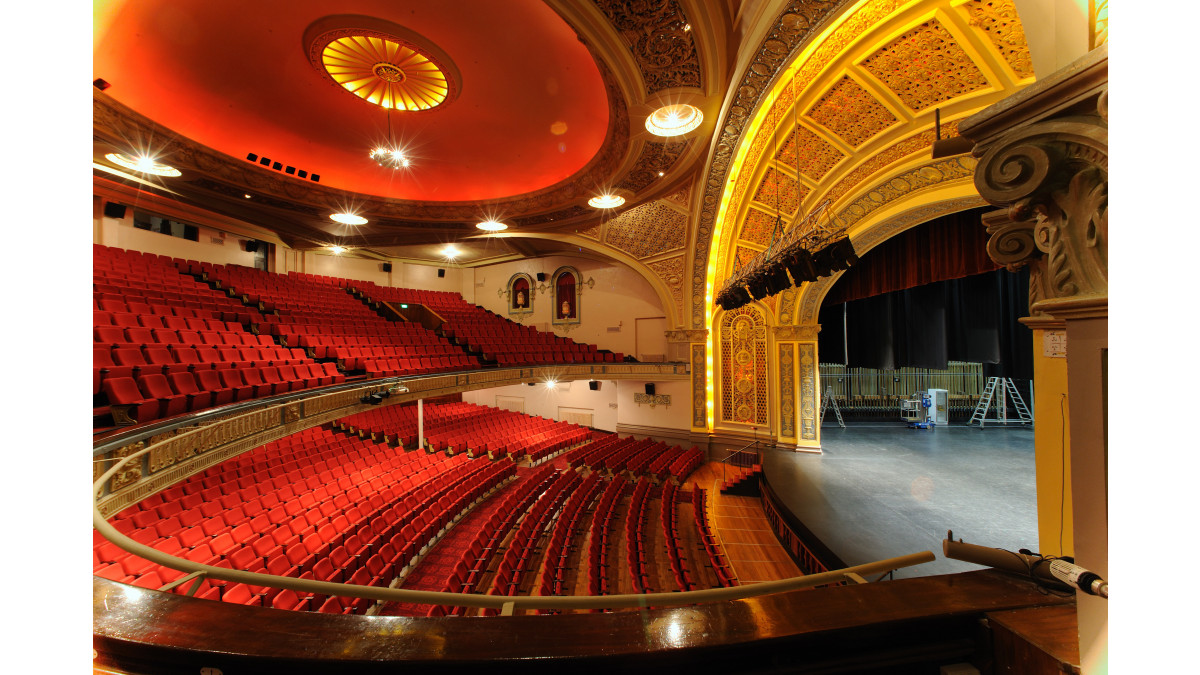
[(1044, 158)]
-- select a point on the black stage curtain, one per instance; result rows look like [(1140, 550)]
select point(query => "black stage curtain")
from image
[(972, 319)]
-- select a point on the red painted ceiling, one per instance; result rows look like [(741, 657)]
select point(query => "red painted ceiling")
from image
[(235, 76)]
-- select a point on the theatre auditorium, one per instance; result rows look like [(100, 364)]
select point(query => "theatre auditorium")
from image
[(600, 336)]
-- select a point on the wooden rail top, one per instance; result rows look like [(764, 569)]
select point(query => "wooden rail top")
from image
[(146, 631)]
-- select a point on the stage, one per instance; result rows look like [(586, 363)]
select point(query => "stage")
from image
[(883, 490)]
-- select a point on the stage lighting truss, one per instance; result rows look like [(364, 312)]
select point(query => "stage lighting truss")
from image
[(792, 255)]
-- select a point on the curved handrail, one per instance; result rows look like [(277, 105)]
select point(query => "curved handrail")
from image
[(507, 603)]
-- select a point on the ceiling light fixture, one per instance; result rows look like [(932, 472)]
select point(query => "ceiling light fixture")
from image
[(674, 120), (390, 156), (450, 252), (337, 250), (348, 218), (606, 201), (142, 164), (550, 384), (491, 226)]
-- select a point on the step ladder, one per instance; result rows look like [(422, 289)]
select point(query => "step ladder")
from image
[(1006, 390), (827, 400)]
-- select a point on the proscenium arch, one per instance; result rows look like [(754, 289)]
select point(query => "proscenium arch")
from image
[(608, 254), (878, 228)]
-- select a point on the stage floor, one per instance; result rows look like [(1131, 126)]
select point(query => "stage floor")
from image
[(882, 490)]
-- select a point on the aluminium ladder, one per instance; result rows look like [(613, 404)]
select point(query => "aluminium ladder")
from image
[(1007, 390), (828, 400)]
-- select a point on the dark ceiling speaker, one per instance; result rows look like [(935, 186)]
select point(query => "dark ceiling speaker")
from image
[(316, 178), (594, 385), (387, 267), (290, 170), (113, 210), (649, 388), (251, 246), (441, 273), (541, 276), (277, 165), (250, 156), (948, 147), (100, 84)]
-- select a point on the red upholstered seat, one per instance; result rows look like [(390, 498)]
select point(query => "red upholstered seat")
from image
[(156, 386), (185, 384), (124, 392)]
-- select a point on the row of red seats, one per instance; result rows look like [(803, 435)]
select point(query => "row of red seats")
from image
[(355, 358), (141, 336), (556, 560), (198, 517), (398, 423), (417, 366), (683, 577), (473, 566), (120, 305), (598, 546), (541, 450), (153, 321), (716, 557), (522, 548), (635, 547), (330, 509), (155, 396)]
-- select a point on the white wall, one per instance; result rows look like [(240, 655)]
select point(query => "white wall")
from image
[(544, 402), (617, 298), (676, 416), (611, 405), (213, 246)]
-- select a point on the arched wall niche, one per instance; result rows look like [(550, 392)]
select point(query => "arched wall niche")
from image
[(566, 295), (520, 293)]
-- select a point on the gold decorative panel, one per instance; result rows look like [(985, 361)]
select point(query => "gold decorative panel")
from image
[(787, 385), (680, 198), (744, 398), (851, 112), (809, 154), (905, 148), (779, 191), (758, 227), (654, 158), (699, 388), (648, 230), (999, 21), (925, 66), (808, 391), (1098, 13), (672, 274), (743, 256), (592, 232)]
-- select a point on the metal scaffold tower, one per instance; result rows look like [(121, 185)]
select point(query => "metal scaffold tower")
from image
[(1002, 390)]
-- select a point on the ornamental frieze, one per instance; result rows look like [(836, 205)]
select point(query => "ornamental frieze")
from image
[(793, 333), (659, 39), (700, 335)]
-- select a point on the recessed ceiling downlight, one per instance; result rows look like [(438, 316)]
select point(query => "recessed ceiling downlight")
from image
[(348, 219), (609, 201), (142, 164), (674, 120), (491, 226)]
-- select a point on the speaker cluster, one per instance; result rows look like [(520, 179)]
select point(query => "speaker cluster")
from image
[(279, 166), (792, 267)]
